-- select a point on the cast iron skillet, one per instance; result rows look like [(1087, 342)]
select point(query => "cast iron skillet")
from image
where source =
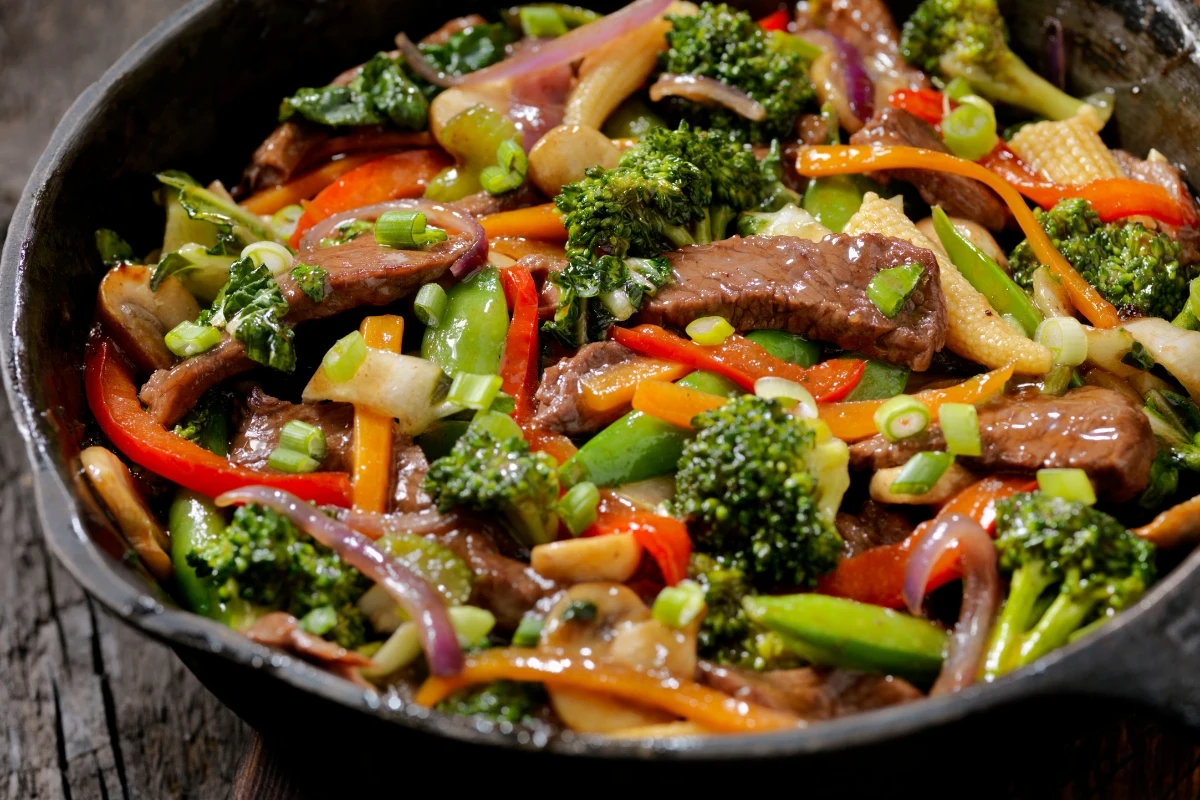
[(200, 91)]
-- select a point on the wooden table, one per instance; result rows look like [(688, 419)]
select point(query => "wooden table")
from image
[(91, 709)]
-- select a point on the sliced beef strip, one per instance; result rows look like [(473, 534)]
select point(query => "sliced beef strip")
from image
[(259, 419), (483, 203), (958, 196), (408, 471), (360, 273), (874, 525), (281, 153), (1165, 174), (815, 289), (559, 395), (812, 693), (1097, 430)]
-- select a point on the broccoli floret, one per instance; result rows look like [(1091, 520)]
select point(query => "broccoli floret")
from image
[(727, 45), (499, 701), (266, 560), (1134, 268), (1175, 420), (486, 471), (759, 487), (1070, 565), (968, 39), (207, 424), (727, 634)]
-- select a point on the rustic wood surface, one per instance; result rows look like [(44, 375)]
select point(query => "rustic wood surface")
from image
[(90, 709)]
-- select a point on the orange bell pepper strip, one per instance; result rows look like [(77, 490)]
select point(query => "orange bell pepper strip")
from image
[(856, 420), (392, 177), (613, 387), (742, 361), (664, 538), (519, 365), (536, 222), (373, 432), (268, 201), (673, 403), (876, 576), (846, 159), (112, 398), (680, 696)]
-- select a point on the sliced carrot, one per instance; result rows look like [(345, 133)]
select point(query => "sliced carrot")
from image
[(372, 430), (536, 222), (613, 386), (268, 201), (673, 403)]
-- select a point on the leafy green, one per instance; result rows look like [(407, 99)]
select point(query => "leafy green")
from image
[(311, 280), (251, 307), (347, 231), (380, 92), (236, 227), (201, 272), (468, 50), (113, 249), (207, 424)]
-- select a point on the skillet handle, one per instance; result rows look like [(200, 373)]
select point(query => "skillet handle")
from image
[(1152, 658)]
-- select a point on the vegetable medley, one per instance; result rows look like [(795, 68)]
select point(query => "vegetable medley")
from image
[(585, 372)]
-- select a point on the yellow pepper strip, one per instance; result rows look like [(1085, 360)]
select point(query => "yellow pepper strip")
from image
[(612, 387), (372, 430), (714, 710), (814, 162)]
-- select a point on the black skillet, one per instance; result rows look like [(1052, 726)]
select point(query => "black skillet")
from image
[(198, 93)]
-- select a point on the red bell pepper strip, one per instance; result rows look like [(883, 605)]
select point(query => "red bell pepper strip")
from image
[(518, 367), (743, 361), (389, 178), (877, 575), (664, 538), (544, 441), (112, 397), (775, 21), (926, 104)]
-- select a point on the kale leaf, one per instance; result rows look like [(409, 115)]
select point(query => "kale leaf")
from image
[(380, 92)]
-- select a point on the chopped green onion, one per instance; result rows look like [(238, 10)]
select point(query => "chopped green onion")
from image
[(1193, 303), (292, 461), (474, 391), (709, 330), (303, 438), (1066, 339), (509, 171), (430, 304), (345, 357), (1057, 380), (188, 339), (272, 255), (541, 22), (406, 229), (957, 89), (319, 621), (960, 426), (528, 632), (503, 403), (1069, 484), (678, 606), (500, 426), (283, 221), (771, 388), (901, 417), (579, 506), (891, 287), (921, 473), (472, 624), (969, 132)]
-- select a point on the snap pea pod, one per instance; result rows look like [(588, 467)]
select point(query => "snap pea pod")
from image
[(638, 446), (880, 380), (832, 631), (986, 276), (632, 120), (833, 200), (193, 521), (470, 336), (789, 347)]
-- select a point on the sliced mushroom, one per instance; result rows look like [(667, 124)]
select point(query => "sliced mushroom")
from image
[(113, 484), (458, 99), (564, 153), (953, 481), (978, 235), (593, 558), (138, 317)]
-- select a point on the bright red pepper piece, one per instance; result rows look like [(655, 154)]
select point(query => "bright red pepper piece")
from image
[(664, 538), (775, 21), (518, 368), (926, 104)]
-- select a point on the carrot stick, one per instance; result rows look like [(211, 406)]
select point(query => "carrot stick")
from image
[(372, 430), (268, 201), (673, 403), (536, 222)]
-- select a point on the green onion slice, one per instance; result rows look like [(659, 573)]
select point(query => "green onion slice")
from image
[(709, 330), (774, 388), (272, 255), (891, 287), (677, 606), (345, 357), (1057, 380), (901, 417), (430, 304), (1066, 339), (406, 229), (1069, 484), (969, 131), (474, 391), (960, 426), (528, 632), (303, 438), (188, 339), (292, 461), (578, 507), (921, 473), (541, 22)]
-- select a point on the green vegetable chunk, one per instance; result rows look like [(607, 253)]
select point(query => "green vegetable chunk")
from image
[(380, 92), (311, 280), (251, 308), (113, 249), (470, 336), (890, 288)]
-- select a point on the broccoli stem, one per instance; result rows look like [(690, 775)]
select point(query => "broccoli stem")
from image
[(1028, 583), (1065, 615), (1018, 85), (679, 236), (719, 219)]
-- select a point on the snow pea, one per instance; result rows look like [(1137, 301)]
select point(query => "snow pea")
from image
[(638, 446), (470, 337), (833, 200), (789, 347)]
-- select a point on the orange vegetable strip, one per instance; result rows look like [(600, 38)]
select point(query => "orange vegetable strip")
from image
[(613, 387), (845, 159), (543, 441), (536, 222), (673, 403), (685, 698), (1175, 526), (372, 430), (268, 201)]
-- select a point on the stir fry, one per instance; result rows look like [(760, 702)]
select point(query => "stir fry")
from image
[(663, 373)]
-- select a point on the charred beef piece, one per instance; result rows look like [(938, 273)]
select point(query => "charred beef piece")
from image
[(279, 156), (812, 693), (1166, 175), (409, 466), (483, 203), (815, 289), (558, 397), (1097, 430), (259, 419), (874, 526), (360, 273), (958, 196)]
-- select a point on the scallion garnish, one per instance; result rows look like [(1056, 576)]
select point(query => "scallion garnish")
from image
[(303, 438), (541, 22), (578, 507), (345, 357), (430, 304), (677, 606), (709, 330), (188, 339), (1066, 339), (901, 417), (474, 391), (509, 171), (960, 426), (406, 229), (528, 632), (1069, 484), (889, 288), (292, 461), (272, 255), (771, 387), (921, 473)]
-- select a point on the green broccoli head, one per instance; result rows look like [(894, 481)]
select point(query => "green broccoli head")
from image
[(727, 45), (748, 481), (498, 701), (1134, 268), (264, 559), (1086, 564), (727, 634), (968, 39), (486, 471)]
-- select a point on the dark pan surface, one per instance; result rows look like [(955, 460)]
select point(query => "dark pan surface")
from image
[(199, 92)]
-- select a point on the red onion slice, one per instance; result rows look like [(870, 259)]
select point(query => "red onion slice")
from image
[(454, 222), (981, 594), (860, 91), (419, 600), (701, 89), (1054, 53)]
